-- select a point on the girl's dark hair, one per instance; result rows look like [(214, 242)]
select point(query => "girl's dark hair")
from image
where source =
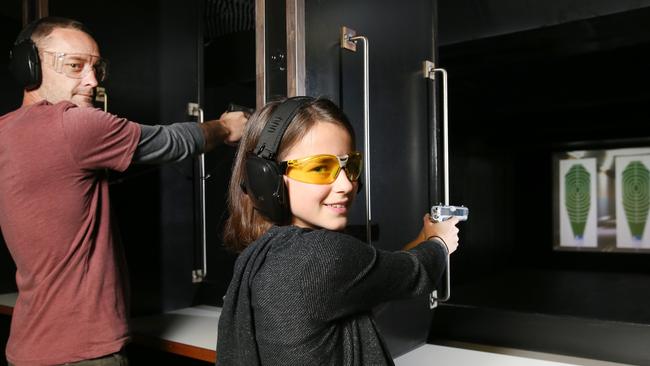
[(245, 224)]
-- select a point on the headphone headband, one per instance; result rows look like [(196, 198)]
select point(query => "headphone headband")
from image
[(269, 142), (26, 33)]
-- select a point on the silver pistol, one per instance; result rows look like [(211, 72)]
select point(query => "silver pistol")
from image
[(444, 212)]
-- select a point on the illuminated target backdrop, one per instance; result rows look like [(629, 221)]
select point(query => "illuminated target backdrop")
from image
[(632, 201), (578, 203), (602, 200)]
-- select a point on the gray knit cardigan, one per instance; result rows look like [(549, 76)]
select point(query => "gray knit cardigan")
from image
[(304, 297)]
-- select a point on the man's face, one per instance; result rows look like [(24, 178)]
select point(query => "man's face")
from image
[(57, 86)]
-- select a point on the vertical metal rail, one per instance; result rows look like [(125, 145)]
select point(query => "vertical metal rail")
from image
[(198, 275), (429, 72), (202, 202), (194, 109), (445, 133), (348, 41)]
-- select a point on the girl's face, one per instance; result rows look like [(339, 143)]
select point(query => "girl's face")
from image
[(321, 205)]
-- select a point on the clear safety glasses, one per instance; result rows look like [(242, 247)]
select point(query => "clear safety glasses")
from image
[(78, 65), (323, 169)]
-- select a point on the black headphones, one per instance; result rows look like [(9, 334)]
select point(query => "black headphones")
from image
[(25, 64), (264, 182)]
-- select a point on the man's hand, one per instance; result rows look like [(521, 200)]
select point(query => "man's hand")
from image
[(234, 123), (228, 129)]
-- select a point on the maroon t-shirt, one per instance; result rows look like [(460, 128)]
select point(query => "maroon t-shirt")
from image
[(55, 218)]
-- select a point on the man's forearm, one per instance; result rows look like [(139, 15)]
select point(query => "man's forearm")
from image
[(214, 134), (175, 142), (168, 143)]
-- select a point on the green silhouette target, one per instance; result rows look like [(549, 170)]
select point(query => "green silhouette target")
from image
[(635, 186), (577, 200)]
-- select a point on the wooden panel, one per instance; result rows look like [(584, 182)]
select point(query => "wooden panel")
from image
[(295, 47), (260, 52), (176, 348), (6, 310)]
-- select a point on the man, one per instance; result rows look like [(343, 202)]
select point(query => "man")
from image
[(54, 204)]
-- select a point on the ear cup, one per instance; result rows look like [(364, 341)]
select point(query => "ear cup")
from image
[(264, 184), (25, 64)]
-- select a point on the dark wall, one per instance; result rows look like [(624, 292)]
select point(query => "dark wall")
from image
[(133, 87), (530, 94), (10, 26), (5, 321), (465, 20), (156, 53), (179, 40), (129, 40), (227, 79), (400, 102), (515, 99), (153, 57), (10, 99)]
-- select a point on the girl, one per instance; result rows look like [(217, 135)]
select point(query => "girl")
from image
[(302, 291)]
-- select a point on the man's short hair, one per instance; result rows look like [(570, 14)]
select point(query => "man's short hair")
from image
[(46, 25)]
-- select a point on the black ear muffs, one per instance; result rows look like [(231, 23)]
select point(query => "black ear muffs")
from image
[(24, 63), (265, 186), (264, 182)]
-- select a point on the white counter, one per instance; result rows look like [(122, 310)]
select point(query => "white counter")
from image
[(192, 332), (437, 355), (195, 326)]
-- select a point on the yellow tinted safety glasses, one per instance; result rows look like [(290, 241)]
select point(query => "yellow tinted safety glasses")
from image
[(323, 169)]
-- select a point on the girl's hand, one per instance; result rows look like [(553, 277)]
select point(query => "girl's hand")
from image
[(445, 230)]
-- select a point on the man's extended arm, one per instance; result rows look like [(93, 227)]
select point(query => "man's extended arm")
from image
[(178, 141)]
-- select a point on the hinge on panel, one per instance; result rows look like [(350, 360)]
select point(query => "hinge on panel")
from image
[(428, 69), (433, 303), (101, 97), (346, 39), (197, 276), (193, 109)]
